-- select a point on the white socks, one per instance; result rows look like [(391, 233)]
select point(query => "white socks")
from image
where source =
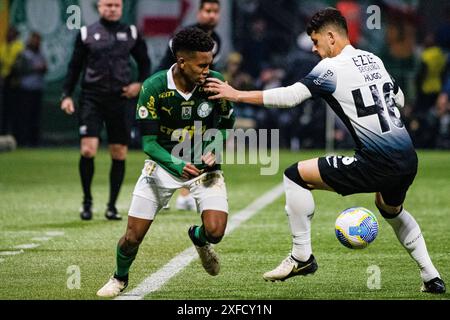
[(300, 210), (409, 234)]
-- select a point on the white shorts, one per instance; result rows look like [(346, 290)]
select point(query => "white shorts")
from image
[(156, 186)]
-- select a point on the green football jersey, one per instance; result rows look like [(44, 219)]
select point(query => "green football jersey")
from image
[(171, 115)]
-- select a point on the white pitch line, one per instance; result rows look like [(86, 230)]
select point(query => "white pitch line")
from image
[(27, 246), (11, 253), (54, 233), (156, 280), (41, 238)]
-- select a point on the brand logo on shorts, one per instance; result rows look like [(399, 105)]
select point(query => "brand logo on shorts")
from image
[(337, 161), (186, 113), (204, 110), (143, 112), (83, 130)]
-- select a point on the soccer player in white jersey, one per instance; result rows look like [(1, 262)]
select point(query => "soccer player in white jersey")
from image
[(361, 92)]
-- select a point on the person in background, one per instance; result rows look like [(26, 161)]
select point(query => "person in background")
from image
[(9, 52), (32, 68), (102, 54)]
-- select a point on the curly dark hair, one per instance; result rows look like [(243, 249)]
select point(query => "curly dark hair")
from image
[(325, 17), (192, 39)]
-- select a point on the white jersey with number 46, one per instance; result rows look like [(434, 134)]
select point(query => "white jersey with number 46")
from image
[(361, 92)]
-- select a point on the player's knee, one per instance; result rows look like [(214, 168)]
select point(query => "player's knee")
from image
[(88, 152), (386, 211), (133, 240), (118, 152), (293, 174), (214, 235)]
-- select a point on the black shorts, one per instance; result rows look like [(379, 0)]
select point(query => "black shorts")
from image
[(112, 111), (350, 175)]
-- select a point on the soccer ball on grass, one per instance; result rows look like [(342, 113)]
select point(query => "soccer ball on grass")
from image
[(356, 227)]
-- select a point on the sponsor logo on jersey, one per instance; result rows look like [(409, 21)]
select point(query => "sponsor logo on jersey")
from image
[(323, 77), (97, 36), (204, 109), (122, 36), (182, 133), (151, 107), (186, 113), (167, 94), (143, 112), (168, 110)]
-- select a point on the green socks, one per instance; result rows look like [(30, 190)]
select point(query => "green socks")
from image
[(124, 262)]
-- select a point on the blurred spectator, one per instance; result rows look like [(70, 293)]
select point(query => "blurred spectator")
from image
[(430, 76), (208, 17), (300, 61), (443, 31), (304, 126), (255, 48), (245, 114), (437, 124), (399, 55), (442, 112), (233, 72), (274, 118), (351, 10), (9, 52), (31, 66)]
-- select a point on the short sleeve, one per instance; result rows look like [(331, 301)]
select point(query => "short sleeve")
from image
[(146, 110)]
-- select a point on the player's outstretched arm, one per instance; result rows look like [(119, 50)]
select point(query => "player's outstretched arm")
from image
[(223, 90), (285, 97)]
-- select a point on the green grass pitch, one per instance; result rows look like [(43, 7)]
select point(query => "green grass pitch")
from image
[(40, 197)]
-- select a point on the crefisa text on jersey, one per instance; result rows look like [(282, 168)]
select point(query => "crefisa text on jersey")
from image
[(226, 310)]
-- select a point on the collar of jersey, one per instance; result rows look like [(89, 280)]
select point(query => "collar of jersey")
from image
[(348, 49), (171, 85)]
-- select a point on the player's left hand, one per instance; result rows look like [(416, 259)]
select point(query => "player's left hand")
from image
[(209, 159), (131, 90), (222, 90)]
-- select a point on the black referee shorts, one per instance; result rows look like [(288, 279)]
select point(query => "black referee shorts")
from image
[(111, 111), (350, 175)]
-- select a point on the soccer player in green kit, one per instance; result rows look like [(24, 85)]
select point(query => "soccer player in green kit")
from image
[(170, 102)]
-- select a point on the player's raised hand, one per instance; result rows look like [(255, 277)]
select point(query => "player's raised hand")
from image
[(190, 171), (68, 106), (209, 159), (222, 90)]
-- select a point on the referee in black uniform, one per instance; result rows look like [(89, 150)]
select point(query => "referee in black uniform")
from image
[(102, 54)]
